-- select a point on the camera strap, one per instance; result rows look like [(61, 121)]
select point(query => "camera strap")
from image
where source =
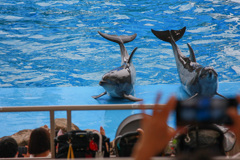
[(70, 151)]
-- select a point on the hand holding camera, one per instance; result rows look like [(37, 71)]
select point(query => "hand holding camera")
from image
[(204, 111)]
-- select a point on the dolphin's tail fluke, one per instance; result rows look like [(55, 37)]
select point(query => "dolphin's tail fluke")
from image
[(166, 35), (118, 39)]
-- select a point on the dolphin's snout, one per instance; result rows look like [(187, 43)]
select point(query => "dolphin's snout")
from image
[(102, 82), (212, 73)]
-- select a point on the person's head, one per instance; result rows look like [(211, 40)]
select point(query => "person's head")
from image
[(8, 148), (39, 141)]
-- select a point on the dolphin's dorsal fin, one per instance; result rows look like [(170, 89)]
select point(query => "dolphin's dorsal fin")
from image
[(166, 35), (131, 55), (192, 54), (120, 40)]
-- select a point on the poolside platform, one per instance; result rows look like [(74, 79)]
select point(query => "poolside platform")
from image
[(54, 96)]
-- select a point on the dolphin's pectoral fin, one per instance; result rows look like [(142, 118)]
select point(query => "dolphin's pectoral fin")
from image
[(195, 95), (100, 95), (221, 95), (131, 98)]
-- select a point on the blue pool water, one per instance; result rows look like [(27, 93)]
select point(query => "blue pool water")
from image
[(55, 44)]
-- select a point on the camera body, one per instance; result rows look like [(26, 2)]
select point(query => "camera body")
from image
[(204, 110), (22, 150)]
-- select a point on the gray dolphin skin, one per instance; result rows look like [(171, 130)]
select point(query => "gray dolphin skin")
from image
[(119, 82), (196, 79)]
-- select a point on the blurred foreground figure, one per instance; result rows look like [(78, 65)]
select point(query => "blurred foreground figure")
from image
[(156, 131), (156, 134)]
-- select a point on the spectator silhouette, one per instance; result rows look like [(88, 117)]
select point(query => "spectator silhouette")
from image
[(39, 143), (8, 148)]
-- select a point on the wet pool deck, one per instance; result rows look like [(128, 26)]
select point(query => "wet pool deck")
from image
[(82, 95)]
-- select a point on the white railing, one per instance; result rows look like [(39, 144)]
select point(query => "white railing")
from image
[(69, 110)]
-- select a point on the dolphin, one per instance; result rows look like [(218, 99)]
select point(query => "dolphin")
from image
[(119, 82), (196, 79)]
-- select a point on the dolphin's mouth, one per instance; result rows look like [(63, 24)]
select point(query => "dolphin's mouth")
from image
[(212, 74), (107, 82), (102, 82)]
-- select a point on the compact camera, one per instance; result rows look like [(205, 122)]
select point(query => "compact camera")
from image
[(204, 111), (22, 150)]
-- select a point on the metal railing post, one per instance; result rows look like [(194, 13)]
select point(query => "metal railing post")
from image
[(69, 120), (52, 126)]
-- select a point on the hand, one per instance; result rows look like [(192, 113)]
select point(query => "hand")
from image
[(102, 131), (27, 155), (233, 113), (156, 131)]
